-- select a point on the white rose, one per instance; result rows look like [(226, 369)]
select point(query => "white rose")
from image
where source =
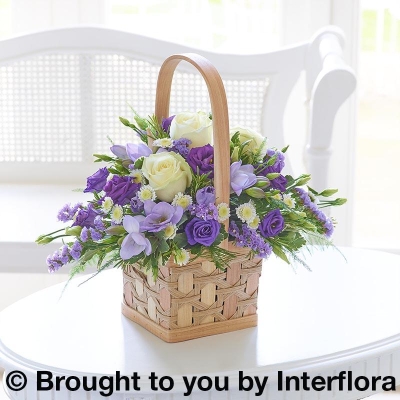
[(168, 174), (196, 127), (257, 141)]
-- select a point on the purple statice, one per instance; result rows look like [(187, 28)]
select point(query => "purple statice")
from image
[(86, 217), (204, 211), (76, 250), (68, 212), (250, 238), (58, 259), (99, 224), (84, 234), (325, 221), (137, 205), (166, 123), (159, 216), (181, 146), (206, 195), (95, 234)]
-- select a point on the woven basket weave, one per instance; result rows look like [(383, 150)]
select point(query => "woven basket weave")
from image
[(196, 300)]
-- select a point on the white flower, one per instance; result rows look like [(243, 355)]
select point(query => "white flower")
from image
[(254, 223), (196, 127), (146, 192), (277, 196), (107, 204), (137, 176), (288, 200), (117, 214), (170, 231), (168, 174), (223, 212), (164, 142), (246, 212), (182, 200), (182, 257), (258, 143)]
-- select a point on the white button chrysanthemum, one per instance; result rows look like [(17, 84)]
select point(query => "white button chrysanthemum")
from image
[(170, 231), (107, 204), (246, 212), (254, 223), (146, 192), (223, 212), (117, 214), (182, 200), (288, 200), (137, 176), (182, 257), (164, 142)]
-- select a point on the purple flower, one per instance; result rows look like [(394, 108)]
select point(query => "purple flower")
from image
[(272, 224), (99, 224), (136, 205), (135, 242), (181, 146), (96, 182), (204, 211), (201, 160), (242, 177), (84, 234), (205, 195), (166, 123), (121, 189), (137, 150), (279, 183), (67, 213), (119, 151), (159, 215), (202, 232), (85, 217), (278, 164), (76, 250), (96, 235)]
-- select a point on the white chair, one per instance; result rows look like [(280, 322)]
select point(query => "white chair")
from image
[(61, 92)]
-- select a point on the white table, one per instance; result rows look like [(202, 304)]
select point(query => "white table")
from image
[(342, 316)]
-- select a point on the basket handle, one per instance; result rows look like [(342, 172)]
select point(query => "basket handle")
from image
[(219, 109)]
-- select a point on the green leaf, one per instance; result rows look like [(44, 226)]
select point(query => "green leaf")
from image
[(285, 149), (180, 240), (102, 157), (139, 163), (278, 252)]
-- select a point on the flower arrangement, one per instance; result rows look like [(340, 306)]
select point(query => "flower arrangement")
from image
[(155, 202)]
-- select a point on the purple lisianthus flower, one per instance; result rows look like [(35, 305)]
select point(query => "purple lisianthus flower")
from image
[(206, 195), (278, 164), (85, 217), (201, 159), (96, 182), (137, 150), (242, 177), (272, 224), (159, 215), (119, 151), (202, 232), (166, 123), (279, 183), (135, 242), (121, 189)]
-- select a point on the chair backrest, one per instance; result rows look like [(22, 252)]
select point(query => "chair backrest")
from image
[(61, 92)]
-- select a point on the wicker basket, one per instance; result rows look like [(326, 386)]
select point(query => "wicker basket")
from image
[(196, 300)]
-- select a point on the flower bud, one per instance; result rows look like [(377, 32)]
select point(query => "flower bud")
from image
[(44, 239), (74, 231), (273, 175), (255, 192), (115, 230)]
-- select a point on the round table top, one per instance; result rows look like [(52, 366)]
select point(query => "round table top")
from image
[(340, 309)]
